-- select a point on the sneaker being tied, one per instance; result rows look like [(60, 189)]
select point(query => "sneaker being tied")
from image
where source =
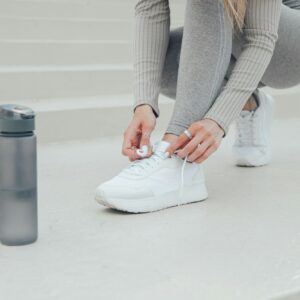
[(153, 184)]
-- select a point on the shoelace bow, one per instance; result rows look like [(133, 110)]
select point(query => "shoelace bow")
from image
[(138, 166)]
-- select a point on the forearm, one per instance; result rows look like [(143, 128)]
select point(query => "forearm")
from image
[(260, 35), (152, 27)]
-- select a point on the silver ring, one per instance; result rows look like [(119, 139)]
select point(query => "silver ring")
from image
[(188, 134)]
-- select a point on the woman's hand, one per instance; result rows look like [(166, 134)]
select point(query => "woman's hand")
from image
[(138, 132), (206, 139)]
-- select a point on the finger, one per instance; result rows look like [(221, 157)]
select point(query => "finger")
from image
[(133, 152), (130, 141), (180, 142), (145, 137), (126, 147), (130, 152), (206, 155), (190, 147), (136, 138), (144, 151), (201, 148), (145, 141), (133, 156), (199, 137)]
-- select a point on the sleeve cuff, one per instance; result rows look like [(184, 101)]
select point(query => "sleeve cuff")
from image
[(219, 121)]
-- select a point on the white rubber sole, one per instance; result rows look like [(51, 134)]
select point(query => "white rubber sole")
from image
[(190, 194), (263, 160)]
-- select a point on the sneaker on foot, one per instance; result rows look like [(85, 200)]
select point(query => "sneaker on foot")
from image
[(153, 184), (252, 147)]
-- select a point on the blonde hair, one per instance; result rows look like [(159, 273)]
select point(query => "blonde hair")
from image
[(236, 9)]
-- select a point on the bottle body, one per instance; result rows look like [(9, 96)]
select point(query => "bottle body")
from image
[(18, 190)]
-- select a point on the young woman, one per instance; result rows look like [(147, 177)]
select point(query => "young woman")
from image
[(213, 68)]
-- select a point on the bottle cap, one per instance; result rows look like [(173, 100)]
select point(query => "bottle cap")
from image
[(16, 119)]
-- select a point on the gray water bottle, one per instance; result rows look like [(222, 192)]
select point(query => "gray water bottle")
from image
[(18, 176)]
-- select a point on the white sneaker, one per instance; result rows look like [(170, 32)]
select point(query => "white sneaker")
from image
[(252, 147), (153, 184)]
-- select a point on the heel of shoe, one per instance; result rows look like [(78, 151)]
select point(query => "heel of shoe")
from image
[(199, 176)]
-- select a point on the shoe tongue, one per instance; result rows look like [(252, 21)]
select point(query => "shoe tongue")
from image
[(161, 147), (246, 113)]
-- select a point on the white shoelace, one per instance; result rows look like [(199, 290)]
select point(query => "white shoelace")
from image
[(138, 167), (182, 181), (247, 129)]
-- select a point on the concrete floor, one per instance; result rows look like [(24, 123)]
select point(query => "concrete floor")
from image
[(241, 243)]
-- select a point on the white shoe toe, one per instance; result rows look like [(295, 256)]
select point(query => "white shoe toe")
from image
[(107, 192)]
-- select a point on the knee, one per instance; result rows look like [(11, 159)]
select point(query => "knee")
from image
[(284, 68), (281, 84)]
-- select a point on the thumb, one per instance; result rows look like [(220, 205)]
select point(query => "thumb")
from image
[(171, 149)]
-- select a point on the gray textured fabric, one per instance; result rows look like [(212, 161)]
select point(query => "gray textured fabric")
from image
[(204, 59), (210, 71), (292, 3), (282, 72)]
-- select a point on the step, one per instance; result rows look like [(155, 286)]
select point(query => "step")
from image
[(100, 116), (67, 9), (122, 9), (54, 52), (59, 29), (67, 29), (88, 117), (37, 82)]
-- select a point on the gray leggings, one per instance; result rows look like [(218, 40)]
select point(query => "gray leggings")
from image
[(282, 72)]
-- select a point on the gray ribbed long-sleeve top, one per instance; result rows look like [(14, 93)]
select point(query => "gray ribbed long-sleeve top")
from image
[(152, 27)]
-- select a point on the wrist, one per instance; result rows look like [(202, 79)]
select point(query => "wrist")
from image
[(217, 125), (143, 108)]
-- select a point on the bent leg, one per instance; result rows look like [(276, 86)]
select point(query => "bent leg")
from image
[(284, 68), (171, 66), (204, 59), (282, 72)]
